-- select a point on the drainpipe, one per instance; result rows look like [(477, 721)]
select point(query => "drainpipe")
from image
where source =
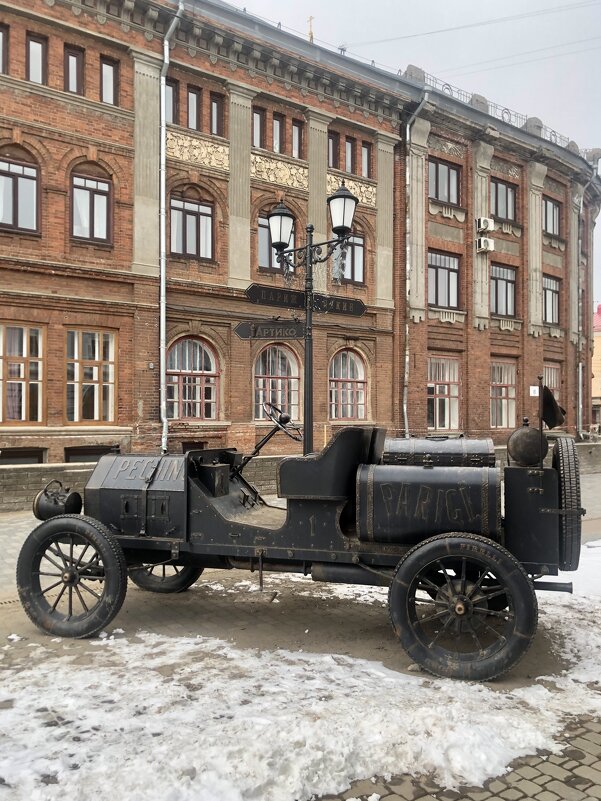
[(408, 268), (163, 228), (580, 372)]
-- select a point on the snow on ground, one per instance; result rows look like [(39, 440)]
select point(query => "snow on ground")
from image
[(182, 718)]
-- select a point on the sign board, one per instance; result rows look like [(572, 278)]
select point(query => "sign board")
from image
[(271, 329), (295, 299), (534, 391)]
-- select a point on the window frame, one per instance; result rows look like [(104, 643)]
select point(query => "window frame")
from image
[(552, 297), (298, 132), (510, 189), (435, 304), (355, 387), (34, 38), (196, 92), (509, 283), (451, 399), (550, 204), (333, 150), (291, 389), (548, 369), (350, 155), (503, 405), (93, 239), (366, 160), (201, 382), (217, 114), (114, 65), (78, 53), (15, 227), (351, 261), (434, 192), (184, 254), (27, 380), (4, 44), (173, 85), (258, 127), (280, 119), (79, 380)]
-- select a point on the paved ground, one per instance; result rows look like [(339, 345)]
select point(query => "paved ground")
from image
[(573, 775)]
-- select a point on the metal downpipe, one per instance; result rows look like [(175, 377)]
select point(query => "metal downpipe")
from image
[(163, 229)]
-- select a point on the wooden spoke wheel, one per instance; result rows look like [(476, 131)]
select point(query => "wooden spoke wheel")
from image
[(165, 578)]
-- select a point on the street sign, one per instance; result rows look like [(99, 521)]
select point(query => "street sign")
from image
[(276, 296), (271, 329), (338, 305), (295, 299)]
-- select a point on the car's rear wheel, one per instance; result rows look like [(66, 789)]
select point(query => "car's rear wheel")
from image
[(165, 578), (444, 606), (71, 576)]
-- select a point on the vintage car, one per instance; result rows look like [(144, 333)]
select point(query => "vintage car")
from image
[(462, 543)]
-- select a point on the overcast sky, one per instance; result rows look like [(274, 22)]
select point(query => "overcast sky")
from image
[(543, 63)]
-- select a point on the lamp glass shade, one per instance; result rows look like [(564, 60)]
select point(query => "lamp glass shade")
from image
[(281, 223), (342, 205)]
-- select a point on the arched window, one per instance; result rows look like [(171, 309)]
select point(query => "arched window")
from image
[(192, 381), (91, 191), (266, 253), (191, 225), (276, 381), (19, 192), (348, 387)]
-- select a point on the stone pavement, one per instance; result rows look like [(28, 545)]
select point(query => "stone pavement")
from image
[(572, 775)]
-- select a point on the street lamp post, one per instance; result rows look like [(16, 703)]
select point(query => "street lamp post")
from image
[(342, 206)]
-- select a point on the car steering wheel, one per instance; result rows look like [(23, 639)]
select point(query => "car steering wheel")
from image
[(282, 421)]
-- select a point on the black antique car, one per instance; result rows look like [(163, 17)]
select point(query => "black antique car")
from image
[(461, 543)]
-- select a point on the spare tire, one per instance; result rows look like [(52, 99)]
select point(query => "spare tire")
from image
[(565, 461)]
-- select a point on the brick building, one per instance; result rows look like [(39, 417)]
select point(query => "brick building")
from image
[(454, 333), (596, 374)]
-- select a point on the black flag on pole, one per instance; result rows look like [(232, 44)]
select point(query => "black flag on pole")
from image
[(553, 414)]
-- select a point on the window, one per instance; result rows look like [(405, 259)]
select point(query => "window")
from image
[(443, 394), (550, 300), (279, 127), (443, 182), (276, 381), (266, 253), (109, 81), (74, 66), (88, 453), (37, 59), (502, 200), (194, 108), (353, 270), (348, 386), (90, 376), (443, 280), (18, 196), (297, 139), (333, 150), (191, 228), (4, 49), (91, 203), (192, 381), (552, 378), (171, 102), (502, 394), (21, 374), (217, 126), (349, 155), (551, 216), (366, 160), (502, 290), (258, 139), (22, 455)]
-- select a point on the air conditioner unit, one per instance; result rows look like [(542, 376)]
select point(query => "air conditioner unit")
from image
[(485, 245), (485, 224)]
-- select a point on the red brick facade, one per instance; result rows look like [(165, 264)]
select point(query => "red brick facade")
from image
[(54, 281)]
